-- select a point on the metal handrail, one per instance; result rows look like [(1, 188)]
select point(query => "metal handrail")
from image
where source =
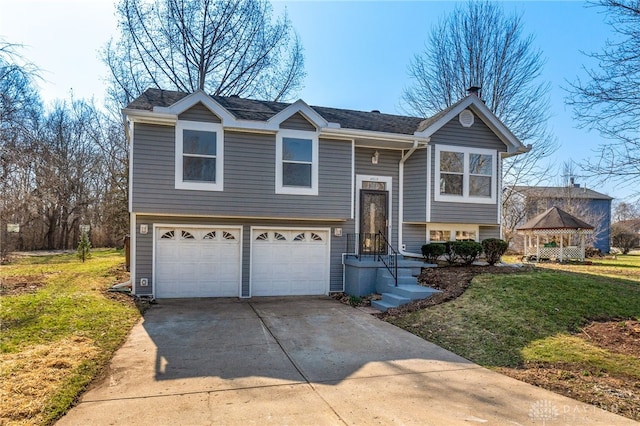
[(390, 258), (374, 246)]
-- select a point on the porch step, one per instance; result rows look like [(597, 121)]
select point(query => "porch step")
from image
[(406, 291)]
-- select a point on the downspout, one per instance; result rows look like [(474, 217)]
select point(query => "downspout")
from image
[(404, 158)]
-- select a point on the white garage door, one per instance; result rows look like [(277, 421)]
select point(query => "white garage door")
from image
[(197, 262), (287, 262)]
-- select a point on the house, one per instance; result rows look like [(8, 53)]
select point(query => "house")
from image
[(233, 197), (587, 204)]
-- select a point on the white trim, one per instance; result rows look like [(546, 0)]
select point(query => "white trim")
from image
[(353, 179), (216, 128), (292, 228), (499, 189), (130, 147), (452, 228), (301, 107), (217, 216), (194, 98), (388, 180), (466, 198), (429, 184), (198, 226), (132, 252), (514, 146), (297, 190)]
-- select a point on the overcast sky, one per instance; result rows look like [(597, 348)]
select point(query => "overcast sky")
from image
[(356, 52)]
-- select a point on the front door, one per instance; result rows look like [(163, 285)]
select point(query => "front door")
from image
[(373, 219)]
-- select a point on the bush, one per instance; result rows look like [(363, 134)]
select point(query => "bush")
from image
[(450, 252), (467, 251), (592, 252), (493, 249), (433, 251)]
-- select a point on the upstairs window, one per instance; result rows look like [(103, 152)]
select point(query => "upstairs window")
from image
[(296, 163), (199, 156), (466, 175)]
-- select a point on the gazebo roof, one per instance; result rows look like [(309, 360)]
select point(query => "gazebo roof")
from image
[(552, 219)]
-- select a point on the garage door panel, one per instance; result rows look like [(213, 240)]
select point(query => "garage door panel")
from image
[(289, 262), (197, 262)]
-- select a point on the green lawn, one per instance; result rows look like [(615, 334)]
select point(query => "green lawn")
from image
[(60, 336), (530, 318), (500, 316)]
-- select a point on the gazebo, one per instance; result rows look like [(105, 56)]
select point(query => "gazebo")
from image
[(555, 234)]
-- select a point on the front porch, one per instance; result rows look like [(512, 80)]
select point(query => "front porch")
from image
[(366, 275)]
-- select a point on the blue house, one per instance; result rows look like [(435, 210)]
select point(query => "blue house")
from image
[(589, 205)]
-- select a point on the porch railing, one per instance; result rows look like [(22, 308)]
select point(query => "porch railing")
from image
[(375, 246)]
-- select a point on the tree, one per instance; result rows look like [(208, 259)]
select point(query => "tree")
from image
[(623, 237), (20, 109), (479, 45), (609, 100), (224, 47), (624, 211)]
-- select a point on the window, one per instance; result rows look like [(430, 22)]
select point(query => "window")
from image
[(441, 232), (439, 235), (199, 156), (465, 235), (296, 163), (466, 175)]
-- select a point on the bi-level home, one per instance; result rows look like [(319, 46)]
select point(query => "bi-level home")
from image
[(233, 197)]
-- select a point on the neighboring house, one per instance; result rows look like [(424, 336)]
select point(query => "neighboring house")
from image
[(238, 197), (586, 204)]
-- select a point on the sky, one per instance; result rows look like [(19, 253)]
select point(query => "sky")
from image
[(357, 54)]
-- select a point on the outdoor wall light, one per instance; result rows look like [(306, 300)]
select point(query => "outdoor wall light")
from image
[(144, 228), (374, 157)]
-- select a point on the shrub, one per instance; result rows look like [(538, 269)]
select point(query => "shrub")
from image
[(592, 252), (433, 251), (494, 248), (450, 252), (84, 247), (467, 251)]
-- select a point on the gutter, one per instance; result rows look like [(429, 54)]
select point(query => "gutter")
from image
[(518, 151), (416, 144)]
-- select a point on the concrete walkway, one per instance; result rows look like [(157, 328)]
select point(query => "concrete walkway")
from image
[(303, 361)]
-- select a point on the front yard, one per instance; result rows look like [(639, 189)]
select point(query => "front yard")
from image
[(59, 328), (573, 329)]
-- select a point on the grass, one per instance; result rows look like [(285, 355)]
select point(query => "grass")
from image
[(57, 339), (526, 325), (500, 318)]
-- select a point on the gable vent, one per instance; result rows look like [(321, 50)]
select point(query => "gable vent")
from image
[(466, 118)]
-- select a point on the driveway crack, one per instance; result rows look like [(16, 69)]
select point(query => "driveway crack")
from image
[(295, 365)]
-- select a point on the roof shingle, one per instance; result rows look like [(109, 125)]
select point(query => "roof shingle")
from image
[(251, 109)]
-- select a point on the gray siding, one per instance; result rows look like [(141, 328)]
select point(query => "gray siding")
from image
[(414, 236), (297, 122), (387, 166), (144, 245), (415, 187), (476, 136), (488, 232), (249, 179), (199, 112)]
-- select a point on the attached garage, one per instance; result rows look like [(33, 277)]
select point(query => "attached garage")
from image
[(289, 261), (197, 261)]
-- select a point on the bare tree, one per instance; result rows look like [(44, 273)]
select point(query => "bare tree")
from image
[(625, 211), (20, 108), (224, 47), (479, 45), (609, 100)]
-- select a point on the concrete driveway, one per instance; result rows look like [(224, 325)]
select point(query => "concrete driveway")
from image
[(303, 361)]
